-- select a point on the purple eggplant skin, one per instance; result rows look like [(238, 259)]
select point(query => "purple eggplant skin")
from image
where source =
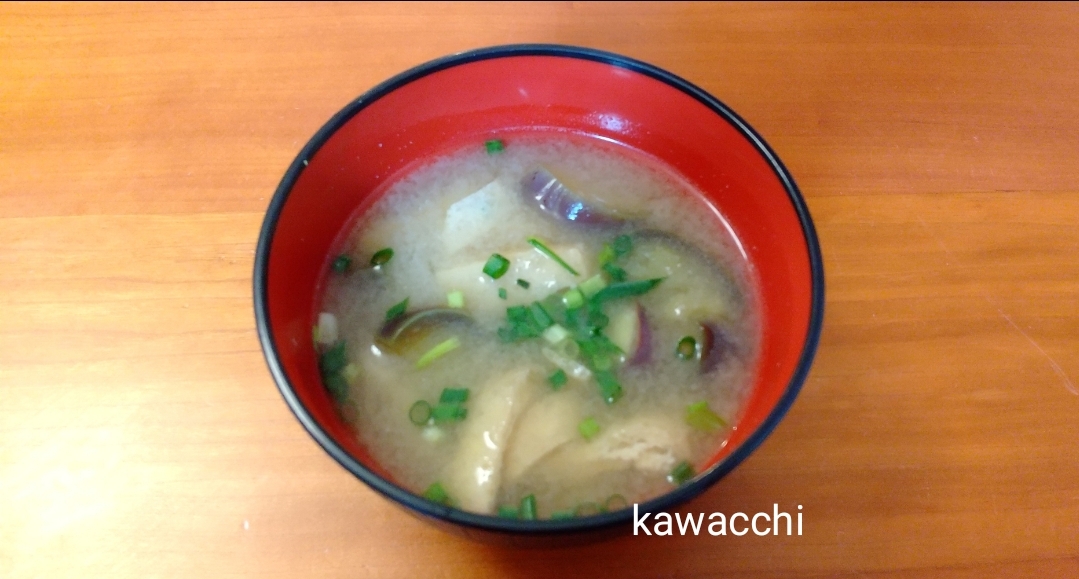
[(554, 199), (402, 332), (643, 354), (715, 347)]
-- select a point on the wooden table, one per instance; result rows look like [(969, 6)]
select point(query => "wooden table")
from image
[(141, 434)]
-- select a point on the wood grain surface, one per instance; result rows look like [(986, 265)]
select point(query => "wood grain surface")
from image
[(142, 436)]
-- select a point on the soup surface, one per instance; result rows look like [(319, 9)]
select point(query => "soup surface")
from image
[(539, 326)]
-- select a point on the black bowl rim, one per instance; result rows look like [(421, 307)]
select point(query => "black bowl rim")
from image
[(424, 507)]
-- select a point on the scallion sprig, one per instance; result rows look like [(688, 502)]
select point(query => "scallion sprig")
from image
[(626, 289), (528, 508), (438, 351), (701, 417), (542, 247)]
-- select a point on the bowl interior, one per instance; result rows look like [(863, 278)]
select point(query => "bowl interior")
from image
[(415, 116)]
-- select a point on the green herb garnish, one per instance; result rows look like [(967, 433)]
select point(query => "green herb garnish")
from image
[(438, 351), (397, 310), (420, 413), (334, 359), (592, 285), (622, 245), (626, 289), (588, 428), (686, 349), (456, 299), (614, 272), (558, 379), (448, 412), (701, 417), (681, 473), (502, 294), (453, 396), (528, 508), (573, 299), (523, 283), (382, 257), (609, 387), (615, 502), (547, 251), (507, 512), (496, 266), (436, 493), (562, 515), (341, 263), (494, 146)]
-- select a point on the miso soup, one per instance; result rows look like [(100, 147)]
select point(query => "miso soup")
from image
[(539, 326)]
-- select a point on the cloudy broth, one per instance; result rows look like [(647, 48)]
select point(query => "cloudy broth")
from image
[(604, 366)]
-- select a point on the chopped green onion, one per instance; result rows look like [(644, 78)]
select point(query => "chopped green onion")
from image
[(562, 515), (626, 289), (420, 413), (616, 273), (350, 372), (528, 508), (681, 473), (615, 502), (436, 493), (438, 351), (547, 251), (382, 257), (609, 387), (573, 299), (453, 396), (606, 255), (448, 412), (699, 416), (496, 266), (588, 428), (507, 512), (568, 348), (622, 245), (588, 509), (523, 283), (337, 386), (333, 360), (494, 146), (397, 310), (592, 285), (555, 334), (686, 349), (341, 263), (540, 316), (456, 299), (502, 293), (558, 379)]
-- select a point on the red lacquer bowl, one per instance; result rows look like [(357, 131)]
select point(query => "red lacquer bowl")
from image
[(471, 96)]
